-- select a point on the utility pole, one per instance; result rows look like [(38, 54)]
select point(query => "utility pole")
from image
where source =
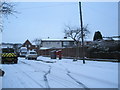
[(83, 55), (1, 29)]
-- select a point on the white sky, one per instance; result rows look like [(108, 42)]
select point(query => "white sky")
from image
[(48, 19)]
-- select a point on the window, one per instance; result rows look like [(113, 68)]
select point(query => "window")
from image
[(32, 52), (66, 43), (23, 52), (25, 45)]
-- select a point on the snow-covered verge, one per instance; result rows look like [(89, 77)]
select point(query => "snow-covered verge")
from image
[(0, 80), (0, 83), (46, 59), (60, 74)]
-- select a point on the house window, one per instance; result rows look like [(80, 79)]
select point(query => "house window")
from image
[(25, 45), (65, 43), (47, 43), (28, 45)]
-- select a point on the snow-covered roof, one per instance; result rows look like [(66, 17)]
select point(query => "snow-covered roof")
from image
[(43, 48), (57, 40), (7, 47), (23, 48)]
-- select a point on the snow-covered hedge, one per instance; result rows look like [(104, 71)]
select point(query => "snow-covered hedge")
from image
[(104, 46)]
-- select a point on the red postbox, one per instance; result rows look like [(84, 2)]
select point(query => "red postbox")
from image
[(59, 54)]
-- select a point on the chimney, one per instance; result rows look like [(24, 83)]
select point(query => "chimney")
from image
[(65, 37)]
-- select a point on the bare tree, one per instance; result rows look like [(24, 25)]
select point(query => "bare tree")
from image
[(37, 41), (76, 35), (6, 9)]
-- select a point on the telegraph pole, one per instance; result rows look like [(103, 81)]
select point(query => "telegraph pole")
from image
[(83, 55), (1, 29)]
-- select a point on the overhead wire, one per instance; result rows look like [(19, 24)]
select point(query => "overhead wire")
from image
[(48, 6)]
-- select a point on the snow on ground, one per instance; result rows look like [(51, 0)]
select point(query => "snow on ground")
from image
[(0, 78), (41, 58), (0, 83), (60, 74)]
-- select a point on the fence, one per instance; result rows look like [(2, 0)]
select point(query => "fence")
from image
[(66, 52), (77, 52)]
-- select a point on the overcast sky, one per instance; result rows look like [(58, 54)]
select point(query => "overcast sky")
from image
[(48, 19)]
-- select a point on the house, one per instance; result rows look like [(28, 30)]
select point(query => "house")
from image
[(59, 43), (29, 45), (15, 46), (7, 45), (56, 43)]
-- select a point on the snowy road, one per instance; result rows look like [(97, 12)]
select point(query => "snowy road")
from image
[(60, 74)]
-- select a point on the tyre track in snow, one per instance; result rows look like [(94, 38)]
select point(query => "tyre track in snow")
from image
[(64, 83), (44, 76), (94, 79), (53, 77), (15, 71), (46, 80), (90, 77), (30, 77), (32, 66), (78, 82), (68, 74)]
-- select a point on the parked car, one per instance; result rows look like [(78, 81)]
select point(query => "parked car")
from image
[(23, 52), (31, 55)]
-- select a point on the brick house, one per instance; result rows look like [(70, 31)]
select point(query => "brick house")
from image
[(29, 45)]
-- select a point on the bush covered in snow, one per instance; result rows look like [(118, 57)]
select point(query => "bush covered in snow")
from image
[(104, 46)]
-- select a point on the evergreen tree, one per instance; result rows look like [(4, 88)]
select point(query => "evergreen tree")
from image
[(97, 36)]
